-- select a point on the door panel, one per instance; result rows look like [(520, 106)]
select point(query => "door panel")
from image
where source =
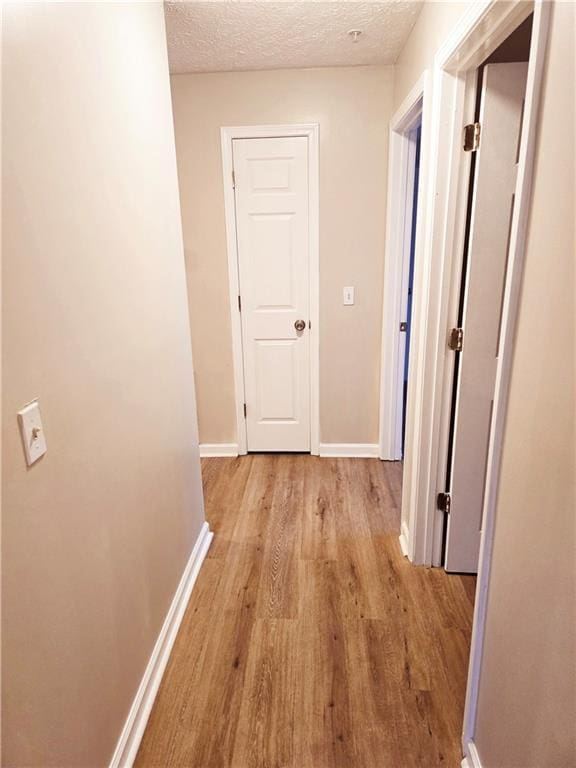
[(271, 194), (277, 403), (274, 289), (503, 89)]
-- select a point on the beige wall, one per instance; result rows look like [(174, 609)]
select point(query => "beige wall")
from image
[(434, 24), (352, 106), (96, 534), (527, 705)]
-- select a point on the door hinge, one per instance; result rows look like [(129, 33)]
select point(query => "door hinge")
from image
[(443, 502), (456, 339), (471, 137), (245, 410), (239, 303), (233, 180), (403, 327)]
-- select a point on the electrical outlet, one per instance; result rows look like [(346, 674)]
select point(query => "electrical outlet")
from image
[(348, 296)]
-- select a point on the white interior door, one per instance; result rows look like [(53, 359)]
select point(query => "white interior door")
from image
[(503, 90), (272, 222)]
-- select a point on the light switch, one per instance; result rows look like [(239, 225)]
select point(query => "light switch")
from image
[(348, 296), (32, 432)]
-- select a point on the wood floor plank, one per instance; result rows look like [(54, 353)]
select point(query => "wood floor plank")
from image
[(309, 640), (320, 511), (265, 731), (224, 491), (375, 692), (278, 594), (240, 579), (324, 732), (251, 517)]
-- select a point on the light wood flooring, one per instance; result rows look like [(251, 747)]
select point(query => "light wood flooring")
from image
[(309, 641)]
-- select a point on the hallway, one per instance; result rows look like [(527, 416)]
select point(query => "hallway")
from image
[(309, 640)]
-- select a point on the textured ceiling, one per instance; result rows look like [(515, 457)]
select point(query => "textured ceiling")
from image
[(226, 35)]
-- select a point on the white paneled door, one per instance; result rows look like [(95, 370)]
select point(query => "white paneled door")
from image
[(502, 103), (272, 227)]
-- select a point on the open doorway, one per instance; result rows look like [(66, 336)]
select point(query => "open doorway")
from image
[(403, 240), (443, 279), (493, 141), (415, 138)]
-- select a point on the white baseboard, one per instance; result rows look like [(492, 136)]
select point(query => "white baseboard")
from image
[(342, 450), (350, 450), (472, 759), (133, 730), (218, 450), (404, 538)]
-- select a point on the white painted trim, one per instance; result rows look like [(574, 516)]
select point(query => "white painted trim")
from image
[(458, 180), (482, 28), (471, 757), (312, 132), (404, 539), (314, 235), (233, 289), (479, 31), (133, 730), (218, 450), (396, 263), (418, 321), (349, 450)]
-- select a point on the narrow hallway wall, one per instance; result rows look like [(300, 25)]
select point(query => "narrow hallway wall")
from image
[(527, 703), (96, 535)]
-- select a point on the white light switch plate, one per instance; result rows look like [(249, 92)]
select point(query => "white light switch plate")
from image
[(32, 432), (348, 296)]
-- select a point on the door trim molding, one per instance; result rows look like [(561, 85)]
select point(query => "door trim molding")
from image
[(472, 758), (399, 221), (484, 25), (312, 132), (133, 730)]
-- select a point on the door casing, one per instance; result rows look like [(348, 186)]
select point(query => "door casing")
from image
[(401, 152), (481, 29), (312, 133), (492, 193)]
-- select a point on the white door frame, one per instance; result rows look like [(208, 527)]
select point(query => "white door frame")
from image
[(479, 32), (312, 133), (415, 108)]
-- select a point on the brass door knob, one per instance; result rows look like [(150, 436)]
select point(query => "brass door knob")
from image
[(299, 325)]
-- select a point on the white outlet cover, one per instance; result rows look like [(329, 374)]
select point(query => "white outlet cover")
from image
[(32, 432), (348, 296)]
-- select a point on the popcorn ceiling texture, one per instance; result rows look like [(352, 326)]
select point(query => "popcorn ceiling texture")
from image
[(228, 35)]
